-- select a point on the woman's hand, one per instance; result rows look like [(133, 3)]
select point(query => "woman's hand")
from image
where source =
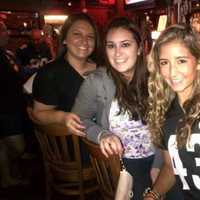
[(110, 144), (148, 198), (74, 124)]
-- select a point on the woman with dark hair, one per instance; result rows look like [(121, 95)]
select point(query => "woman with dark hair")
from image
[(174, 110), (112, 103), (56, 85), (69, 22)]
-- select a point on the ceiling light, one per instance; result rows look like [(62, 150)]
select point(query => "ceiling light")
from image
[(54, 19)]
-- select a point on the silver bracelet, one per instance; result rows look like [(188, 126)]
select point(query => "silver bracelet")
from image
[(150, 193)]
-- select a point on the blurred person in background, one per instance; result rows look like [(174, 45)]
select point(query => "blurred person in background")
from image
[(34, 54), (50, 37), (12, 143)]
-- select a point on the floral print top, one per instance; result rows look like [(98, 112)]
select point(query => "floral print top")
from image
[(134, 135)]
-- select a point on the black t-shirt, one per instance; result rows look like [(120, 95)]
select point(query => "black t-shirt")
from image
[(185, 161), (57, 84)]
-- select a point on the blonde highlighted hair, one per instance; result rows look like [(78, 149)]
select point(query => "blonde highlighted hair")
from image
[(161, 95)]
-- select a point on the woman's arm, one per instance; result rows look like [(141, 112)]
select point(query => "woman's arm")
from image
[(157, 164), (166, 178), (87, 106), (47, 114)]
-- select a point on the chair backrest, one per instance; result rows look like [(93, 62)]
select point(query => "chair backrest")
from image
[(107, 170), (61, 152), (57, 144)]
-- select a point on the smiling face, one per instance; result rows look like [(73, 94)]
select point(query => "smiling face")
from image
[(80, 40), (122, 51), (179, 68)]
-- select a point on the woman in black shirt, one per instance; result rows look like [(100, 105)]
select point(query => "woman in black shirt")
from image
[(56, 85), (174, 103)]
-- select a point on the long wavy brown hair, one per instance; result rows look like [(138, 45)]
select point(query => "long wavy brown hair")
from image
[(161, 95), (132, 97)]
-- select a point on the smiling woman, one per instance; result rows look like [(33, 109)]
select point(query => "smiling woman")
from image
[(122, 53), (56, 85), (80, 41), (174, 109), (179, 68), (116, 98)]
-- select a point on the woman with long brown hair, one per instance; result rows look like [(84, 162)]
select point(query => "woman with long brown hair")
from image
[(112, 103)]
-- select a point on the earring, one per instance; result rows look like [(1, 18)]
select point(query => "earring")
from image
[(139, 51)]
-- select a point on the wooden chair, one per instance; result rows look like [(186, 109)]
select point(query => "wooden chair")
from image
[(65, 173), (107, 170)]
